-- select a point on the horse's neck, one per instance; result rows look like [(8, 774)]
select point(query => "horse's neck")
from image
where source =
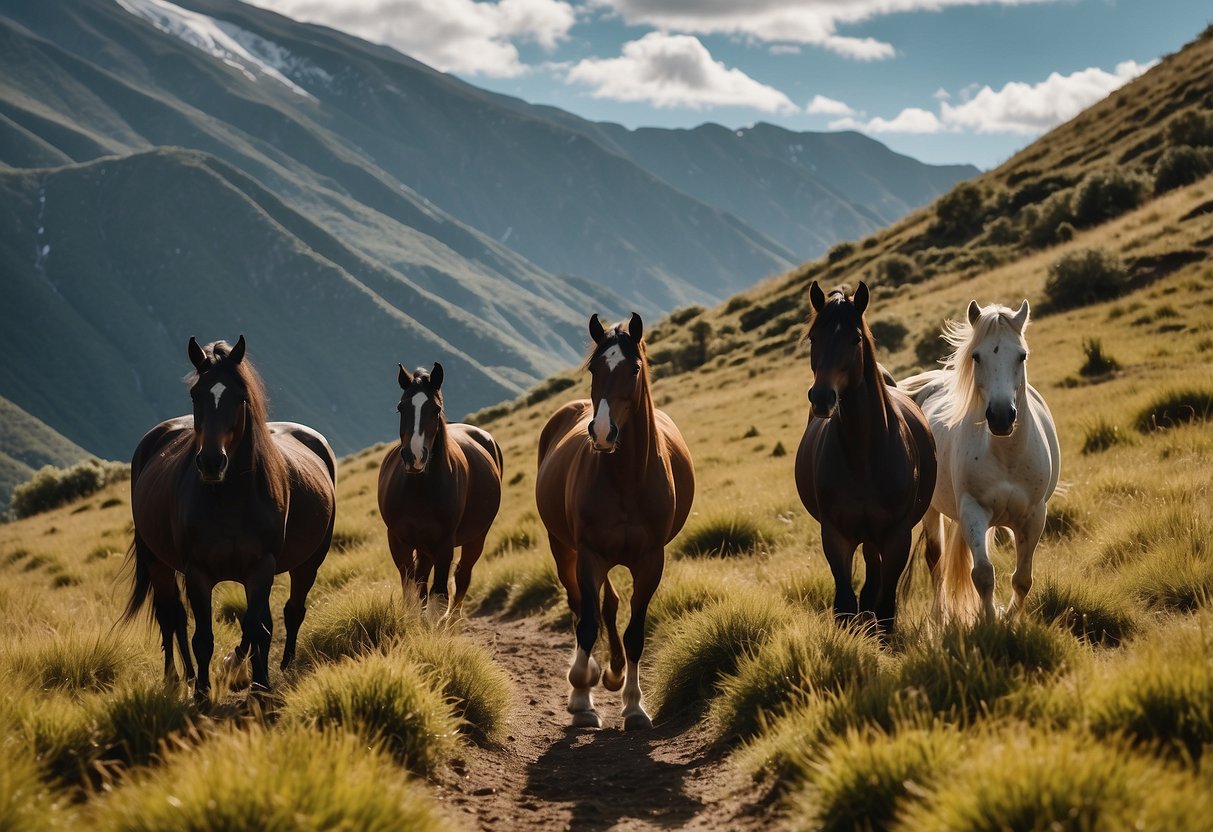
[(865, 412), (641, 447), (256, 462)]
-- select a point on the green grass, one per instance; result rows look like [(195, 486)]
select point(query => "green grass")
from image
[(479, 691), (289, 778), (1089, 609), (355, 623), (384, 699), (722, 535), (1176, 407), (27, 804), (518, 583), (72, 662)]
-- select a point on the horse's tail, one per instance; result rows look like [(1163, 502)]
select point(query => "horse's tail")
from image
[(141, 579), (612, 677), (905, 584), (958, 596)]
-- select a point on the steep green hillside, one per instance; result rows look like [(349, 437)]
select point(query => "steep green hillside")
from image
[(26, 444)]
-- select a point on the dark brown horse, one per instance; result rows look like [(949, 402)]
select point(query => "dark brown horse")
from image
[(866, 465), (615, 484), (438, 489), (224, 495)]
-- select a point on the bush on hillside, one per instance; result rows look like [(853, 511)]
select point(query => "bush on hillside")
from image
[(1083, 277), (840, 252), (52, 487), (958, 214), (890, 334), (894, 270), (1043, 221), (1193, 129), (1001, 232), (680, 316), (1105, 194), (548, 389), (1179, 166)]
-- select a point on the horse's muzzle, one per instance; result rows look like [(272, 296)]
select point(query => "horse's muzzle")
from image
[(612, 440), (824, 401), (412, 465), (1001, 421), (212, 471)]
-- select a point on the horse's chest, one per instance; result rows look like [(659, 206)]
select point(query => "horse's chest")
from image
[(617, 523), (228, 537)]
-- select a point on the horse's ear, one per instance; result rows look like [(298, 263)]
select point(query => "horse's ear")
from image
[(237, 353), (403, 377), (596, 330), (861, 298), (974, 312), (197, 356), (436, 377), (636, 328), (1022, 316), (816, 297)]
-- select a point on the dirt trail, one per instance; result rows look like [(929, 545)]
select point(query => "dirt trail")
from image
[(551, 776)]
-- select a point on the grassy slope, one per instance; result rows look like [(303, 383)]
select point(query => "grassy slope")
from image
[(26, 445), (1139, 509)]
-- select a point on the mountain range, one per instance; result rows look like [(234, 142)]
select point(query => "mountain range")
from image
[(209, 168)]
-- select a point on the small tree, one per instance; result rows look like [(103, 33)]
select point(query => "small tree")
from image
[(959, 214), (1083, 277)]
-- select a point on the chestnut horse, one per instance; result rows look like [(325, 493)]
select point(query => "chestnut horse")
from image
[(224, 495), (866, 465), (614, 486), (438, 489)]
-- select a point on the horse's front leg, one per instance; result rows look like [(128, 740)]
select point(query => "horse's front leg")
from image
[(402, 556), (840, 552), (584, 672), (895, 553), (645, 581), (974, 526), (869, 595), (1027, 536), (198, 587), (258, 624), (438, 603)]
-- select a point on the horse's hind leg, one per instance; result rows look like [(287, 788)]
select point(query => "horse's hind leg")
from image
[(612, 678), (303, 577), (468, 555), (1027, 536), (584, 673), (645, 583), (170, 616), (974, 526)]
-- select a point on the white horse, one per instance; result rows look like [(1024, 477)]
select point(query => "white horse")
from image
[(998, 458)]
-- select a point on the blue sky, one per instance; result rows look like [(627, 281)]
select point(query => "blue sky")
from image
[(941, 80)]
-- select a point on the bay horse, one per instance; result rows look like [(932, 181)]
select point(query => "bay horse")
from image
[(224, 495), (999, 458), (439, 488), (615, 484), (865, 469)]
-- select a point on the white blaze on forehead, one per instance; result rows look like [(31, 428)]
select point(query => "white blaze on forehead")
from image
[(417, 445), (613, 355), (217, 391), (601, 426)]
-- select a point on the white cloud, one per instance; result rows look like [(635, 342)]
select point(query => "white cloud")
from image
[(1026, 109), (1031, 109), (450, 35), (784, 49), (823, 106), (813, 22), (675, 71), (941, 95)]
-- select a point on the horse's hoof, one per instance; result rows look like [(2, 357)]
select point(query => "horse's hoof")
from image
[(637, 722), (586, 719), (202, 698)]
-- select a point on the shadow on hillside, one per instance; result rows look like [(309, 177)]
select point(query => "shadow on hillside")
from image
[(609, 776)]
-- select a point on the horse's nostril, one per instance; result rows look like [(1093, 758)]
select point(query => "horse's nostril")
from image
[(613, 433)]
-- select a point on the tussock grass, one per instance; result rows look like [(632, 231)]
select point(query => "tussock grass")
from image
[(26, 803), (1176, 407), (352, 624), (135, 722), (704, 646), (384, 699), (346, 538), (1091, 610), (63, 736), (290, 778), (723, 534), (1101, 435), (686, 588), (812, 589), (811, 654), (1161, 697), (1035, 780), (517, 584), (1175, 572), (73, 662), (971, 668), (478, 690), (1144, 532), (229, 602), (864, 779)]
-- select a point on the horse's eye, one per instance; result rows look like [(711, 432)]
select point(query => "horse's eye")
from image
[(636, 370), (976, 358), (1023, 357)]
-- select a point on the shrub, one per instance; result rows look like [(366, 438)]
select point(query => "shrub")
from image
[(351, 624), (1044, 220), (840, 252), (477, 688), (284, 779), (721, 535), (703, 647), (779, 450), (1193, 128), (384, 699), (812, 654), (973, 667), (1176, 407), (1179, 166), (1084, 277), (680, 316), (894, 270), (1090, 610), (1036, 780), (1105, 194), (931, 348), (51, 487), (889, 333), (1001, 232), (549, 388), (959, 213), (863, 779), (756, 316), (1098, 362)]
